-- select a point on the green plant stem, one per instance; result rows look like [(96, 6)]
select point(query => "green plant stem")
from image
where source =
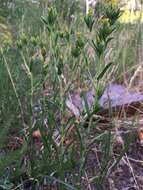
[(14, 88), (31, 124)]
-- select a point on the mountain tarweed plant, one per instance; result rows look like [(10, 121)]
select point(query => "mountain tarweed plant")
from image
[(51, 65)]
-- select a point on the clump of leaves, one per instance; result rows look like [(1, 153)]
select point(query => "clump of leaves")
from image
[(51, 18), (112, 13), (79, 45), (89, 20), (106, 28)]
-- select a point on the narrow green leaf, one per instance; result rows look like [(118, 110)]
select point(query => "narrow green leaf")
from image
[(86, 106), (104, 71), (44, 20)]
